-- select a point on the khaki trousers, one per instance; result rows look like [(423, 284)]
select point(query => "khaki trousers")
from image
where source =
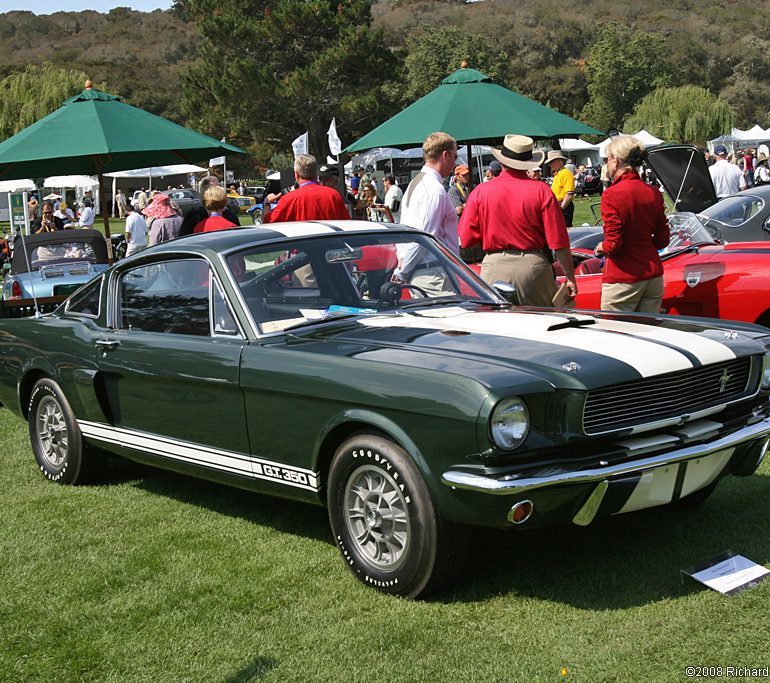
[(434, 281), (645, 296), (530, 273)]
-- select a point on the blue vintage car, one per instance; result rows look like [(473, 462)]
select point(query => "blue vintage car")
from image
[(53, 264), (284, 359)]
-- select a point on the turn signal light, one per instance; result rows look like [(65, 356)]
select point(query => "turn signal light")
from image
[(521, 512)]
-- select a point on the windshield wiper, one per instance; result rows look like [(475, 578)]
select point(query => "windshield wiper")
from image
[(444, 300), (325, 319)]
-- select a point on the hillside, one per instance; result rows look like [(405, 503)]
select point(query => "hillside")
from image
[(723, 45)]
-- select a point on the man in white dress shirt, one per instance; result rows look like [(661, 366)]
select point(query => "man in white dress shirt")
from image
[(727, 177), (427, 206), (87, 215)]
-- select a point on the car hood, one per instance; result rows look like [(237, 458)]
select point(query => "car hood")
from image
[(569, 349), (684, 174)]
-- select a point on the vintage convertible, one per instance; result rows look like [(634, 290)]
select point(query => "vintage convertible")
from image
[(282, 359), (53, 264)]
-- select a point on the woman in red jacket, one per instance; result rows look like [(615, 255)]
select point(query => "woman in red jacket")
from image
[(635, 227)]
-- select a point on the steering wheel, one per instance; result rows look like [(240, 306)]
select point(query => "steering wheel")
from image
[(390, 293)]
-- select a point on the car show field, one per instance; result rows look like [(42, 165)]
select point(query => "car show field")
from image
[(100, 581)]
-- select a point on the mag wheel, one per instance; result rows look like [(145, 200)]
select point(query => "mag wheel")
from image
[(384, 520), (55, 435)]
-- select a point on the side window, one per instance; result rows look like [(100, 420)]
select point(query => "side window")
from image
[(224, 322), (170, 297), (86, 301)]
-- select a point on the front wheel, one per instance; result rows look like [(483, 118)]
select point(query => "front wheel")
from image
[(384, 520), (56, 439)]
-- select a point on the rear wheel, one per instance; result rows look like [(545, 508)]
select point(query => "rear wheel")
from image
[(384, 520), (56, 439)]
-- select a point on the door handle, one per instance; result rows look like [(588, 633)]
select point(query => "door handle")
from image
[(107, 344)]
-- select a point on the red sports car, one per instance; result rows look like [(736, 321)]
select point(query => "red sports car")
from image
[(702, 277)]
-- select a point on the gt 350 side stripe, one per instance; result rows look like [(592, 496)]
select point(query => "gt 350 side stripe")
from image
[(204, 456)]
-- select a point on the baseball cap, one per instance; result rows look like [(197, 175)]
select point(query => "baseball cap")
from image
[(720, 150), (328, 170)]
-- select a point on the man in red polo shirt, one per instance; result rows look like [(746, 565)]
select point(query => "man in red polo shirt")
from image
[(309, 202), (518, 221)]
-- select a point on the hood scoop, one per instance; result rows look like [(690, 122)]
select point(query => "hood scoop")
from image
[(571, 321)]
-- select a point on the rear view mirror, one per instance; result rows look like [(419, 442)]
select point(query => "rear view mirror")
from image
[(507, 291), (341, 255)]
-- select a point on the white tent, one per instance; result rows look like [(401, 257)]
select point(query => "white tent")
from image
[(647, 139), (158, 171), (16, 185), (755, 133), (81, 183), (372, 156), (86, 181), (583, 152)]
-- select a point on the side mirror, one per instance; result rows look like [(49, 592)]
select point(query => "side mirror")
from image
[(507, 291), (766, 225), (6, 267)]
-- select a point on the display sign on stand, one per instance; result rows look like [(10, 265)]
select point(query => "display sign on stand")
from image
[(17, 202)]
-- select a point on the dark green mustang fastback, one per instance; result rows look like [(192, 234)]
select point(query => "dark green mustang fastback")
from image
[(285, 360)]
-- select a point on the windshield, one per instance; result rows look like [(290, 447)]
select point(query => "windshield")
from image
[(61, 253), (732, 212), (686, 230), (306, 280)]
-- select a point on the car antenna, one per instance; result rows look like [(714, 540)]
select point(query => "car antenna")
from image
[(38, 314)]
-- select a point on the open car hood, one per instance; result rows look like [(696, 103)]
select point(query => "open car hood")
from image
[(685, 177)]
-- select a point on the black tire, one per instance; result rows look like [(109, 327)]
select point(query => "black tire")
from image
[(56, 439), (384, 520)]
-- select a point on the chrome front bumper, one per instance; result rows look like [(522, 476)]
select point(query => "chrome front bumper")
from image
[(515, 484)]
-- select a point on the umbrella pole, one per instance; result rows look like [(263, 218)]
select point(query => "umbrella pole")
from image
[(105, 217), (470, 167)]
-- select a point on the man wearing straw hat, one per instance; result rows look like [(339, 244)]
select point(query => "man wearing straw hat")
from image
[(518, 222)]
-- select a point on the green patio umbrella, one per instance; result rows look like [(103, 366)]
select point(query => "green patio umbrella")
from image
[(95, 133), (473, 109)]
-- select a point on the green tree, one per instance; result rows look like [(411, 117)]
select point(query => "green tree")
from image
[(269, 70), (684, 114), (622, 67), (434, 53), (34, 93)]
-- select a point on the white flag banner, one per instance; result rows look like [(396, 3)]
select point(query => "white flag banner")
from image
[(300, 145), (217, 161), (335, 145)]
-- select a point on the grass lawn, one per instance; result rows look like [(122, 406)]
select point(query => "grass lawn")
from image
[(152, 576)]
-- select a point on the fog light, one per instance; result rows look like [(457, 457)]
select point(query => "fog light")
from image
[(521, 512)]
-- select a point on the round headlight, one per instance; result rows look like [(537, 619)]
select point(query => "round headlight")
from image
[(766, 371), (509, 423)]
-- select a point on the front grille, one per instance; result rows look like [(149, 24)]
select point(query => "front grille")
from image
[(659, 398)]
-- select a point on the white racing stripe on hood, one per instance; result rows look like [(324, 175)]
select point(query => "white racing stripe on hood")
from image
[(705, 350), (648, 358)]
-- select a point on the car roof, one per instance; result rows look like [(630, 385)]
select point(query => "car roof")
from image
[(233, 238)]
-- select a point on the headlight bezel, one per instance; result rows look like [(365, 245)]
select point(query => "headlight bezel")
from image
[(509, 423)]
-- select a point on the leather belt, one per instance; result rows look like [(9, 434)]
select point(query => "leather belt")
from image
[(423, 266), (517, 252)]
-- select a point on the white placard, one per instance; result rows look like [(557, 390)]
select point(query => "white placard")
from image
[(729, 573)]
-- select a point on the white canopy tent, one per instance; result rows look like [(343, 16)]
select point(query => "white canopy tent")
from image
[(583, 152), (740, 139), (647, 139), (81, 184), (371, 157), (151, 172), (17, 185)]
